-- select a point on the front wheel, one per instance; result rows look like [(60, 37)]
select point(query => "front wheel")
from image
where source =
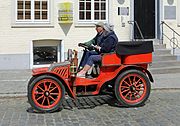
[(132, 88), (45, 93)]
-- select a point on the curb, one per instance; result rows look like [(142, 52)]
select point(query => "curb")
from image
[(23, 95), (13, 95)]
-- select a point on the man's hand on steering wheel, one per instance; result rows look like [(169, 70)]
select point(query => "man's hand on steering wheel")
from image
[(81, 44), (85, 46)]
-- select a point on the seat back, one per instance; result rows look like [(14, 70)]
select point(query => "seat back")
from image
[(134, 47), (135, 52), (111, 59)]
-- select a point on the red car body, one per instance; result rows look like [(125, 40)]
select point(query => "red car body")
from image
[(127, 76)]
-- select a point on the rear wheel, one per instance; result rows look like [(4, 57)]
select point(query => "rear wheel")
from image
[(132, 88), (46, 93)]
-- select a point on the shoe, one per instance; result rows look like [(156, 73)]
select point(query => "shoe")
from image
[(79, 69), (80, 75)]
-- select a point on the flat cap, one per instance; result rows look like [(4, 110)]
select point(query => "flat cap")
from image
[(101, 24)]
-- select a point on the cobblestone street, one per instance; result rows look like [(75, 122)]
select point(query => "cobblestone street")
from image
[(161, 109)]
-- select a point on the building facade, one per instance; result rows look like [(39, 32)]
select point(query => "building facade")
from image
[(35, 33)]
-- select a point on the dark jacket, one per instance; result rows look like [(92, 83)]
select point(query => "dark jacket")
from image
[(95, 41), (108, 42)]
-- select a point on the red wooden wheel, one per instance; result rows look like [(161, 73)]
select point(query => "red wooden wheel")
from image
[(132, 88), (46, 93)]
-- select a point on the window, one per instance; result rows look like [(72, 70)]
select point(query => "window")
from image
[(44, 55), (93, 10), (46, 51), (32, 10), (178, 13)]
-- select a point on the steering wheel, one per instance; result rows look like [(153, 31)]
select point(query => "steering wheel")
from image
[(86, 47), (83, 45)]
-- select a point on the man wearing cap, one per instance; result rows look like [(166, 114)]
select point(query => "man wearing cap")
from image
[(93, 44), (104, 42)]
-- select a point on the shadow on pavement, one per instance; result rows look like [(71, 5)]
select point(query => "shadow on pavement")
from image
[(88, 102)]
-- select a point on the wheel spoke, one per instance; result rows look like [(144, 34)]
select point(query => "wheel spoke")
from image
[(40, 88), (137, 81), (135, 96), (38, 93), (124, 87), (52, 98), (139, 89), (49, 86), (54, 93), (130, 96), (140, 86), (127, 94), (130, 80), (45, 86), (43, 100), (127, 83), (40, 97), (134, 80), (125, 91), (138, 93), (52, 89), (48, 101)]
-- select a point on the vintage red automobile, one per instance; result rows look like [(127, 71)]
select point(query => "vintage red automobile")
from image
[(122, 73)]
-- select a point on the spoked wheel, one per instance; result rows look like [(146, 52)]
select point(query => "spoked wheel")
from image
[(132, 88), (46, 93)]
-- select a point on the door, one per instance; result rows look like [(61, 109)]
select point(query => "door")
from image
[(144, 15)]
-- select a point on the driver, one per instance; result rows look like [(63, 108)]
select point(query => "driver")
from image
[(104, 42), (93, 44)]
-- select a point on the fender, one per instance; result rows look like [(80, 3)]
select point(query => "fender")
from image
[(140, 68), (45, 71), (149, 75)]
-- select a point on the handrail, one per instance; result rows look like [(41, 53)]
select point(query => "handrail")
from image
[(140, 32), (162, 22), (173, 41)]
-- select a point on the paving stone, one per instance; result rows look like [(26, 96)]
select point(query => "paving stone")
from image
[(162, 109)]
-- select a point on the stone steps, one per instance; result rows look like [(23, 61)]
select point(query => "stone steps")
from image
[(156, 47), (165, 64), (163, 61), (162, 52), (159, 58), (165, 70)]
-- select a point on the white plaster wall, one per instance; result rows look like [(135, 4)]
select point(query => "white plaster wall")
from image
[(16, 39), (172, 23), (122, 32)]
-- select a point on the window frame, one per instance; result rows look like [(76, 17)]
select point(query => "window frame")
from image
[(32, 20), (44, 46), (59, 43), (178, 13), (92, 20)]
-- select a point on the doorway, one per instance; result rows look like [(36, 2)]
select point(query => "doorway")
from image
[(144, 15)]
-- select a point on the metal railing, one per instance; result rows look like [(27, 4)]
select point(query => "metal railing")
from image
[(139, 30), (174, 43)]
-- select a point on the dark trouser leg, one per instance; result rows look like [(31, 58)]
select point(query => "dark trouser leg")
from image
[(86, 57), (93, 59)]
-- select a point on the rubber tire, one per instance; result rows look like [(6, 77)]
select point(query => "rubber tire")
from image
[(117, 84), (31, 86), (30, 82)]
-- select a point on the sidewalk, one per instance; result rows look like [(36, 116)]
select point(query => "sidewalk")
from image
[(14, 82)]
